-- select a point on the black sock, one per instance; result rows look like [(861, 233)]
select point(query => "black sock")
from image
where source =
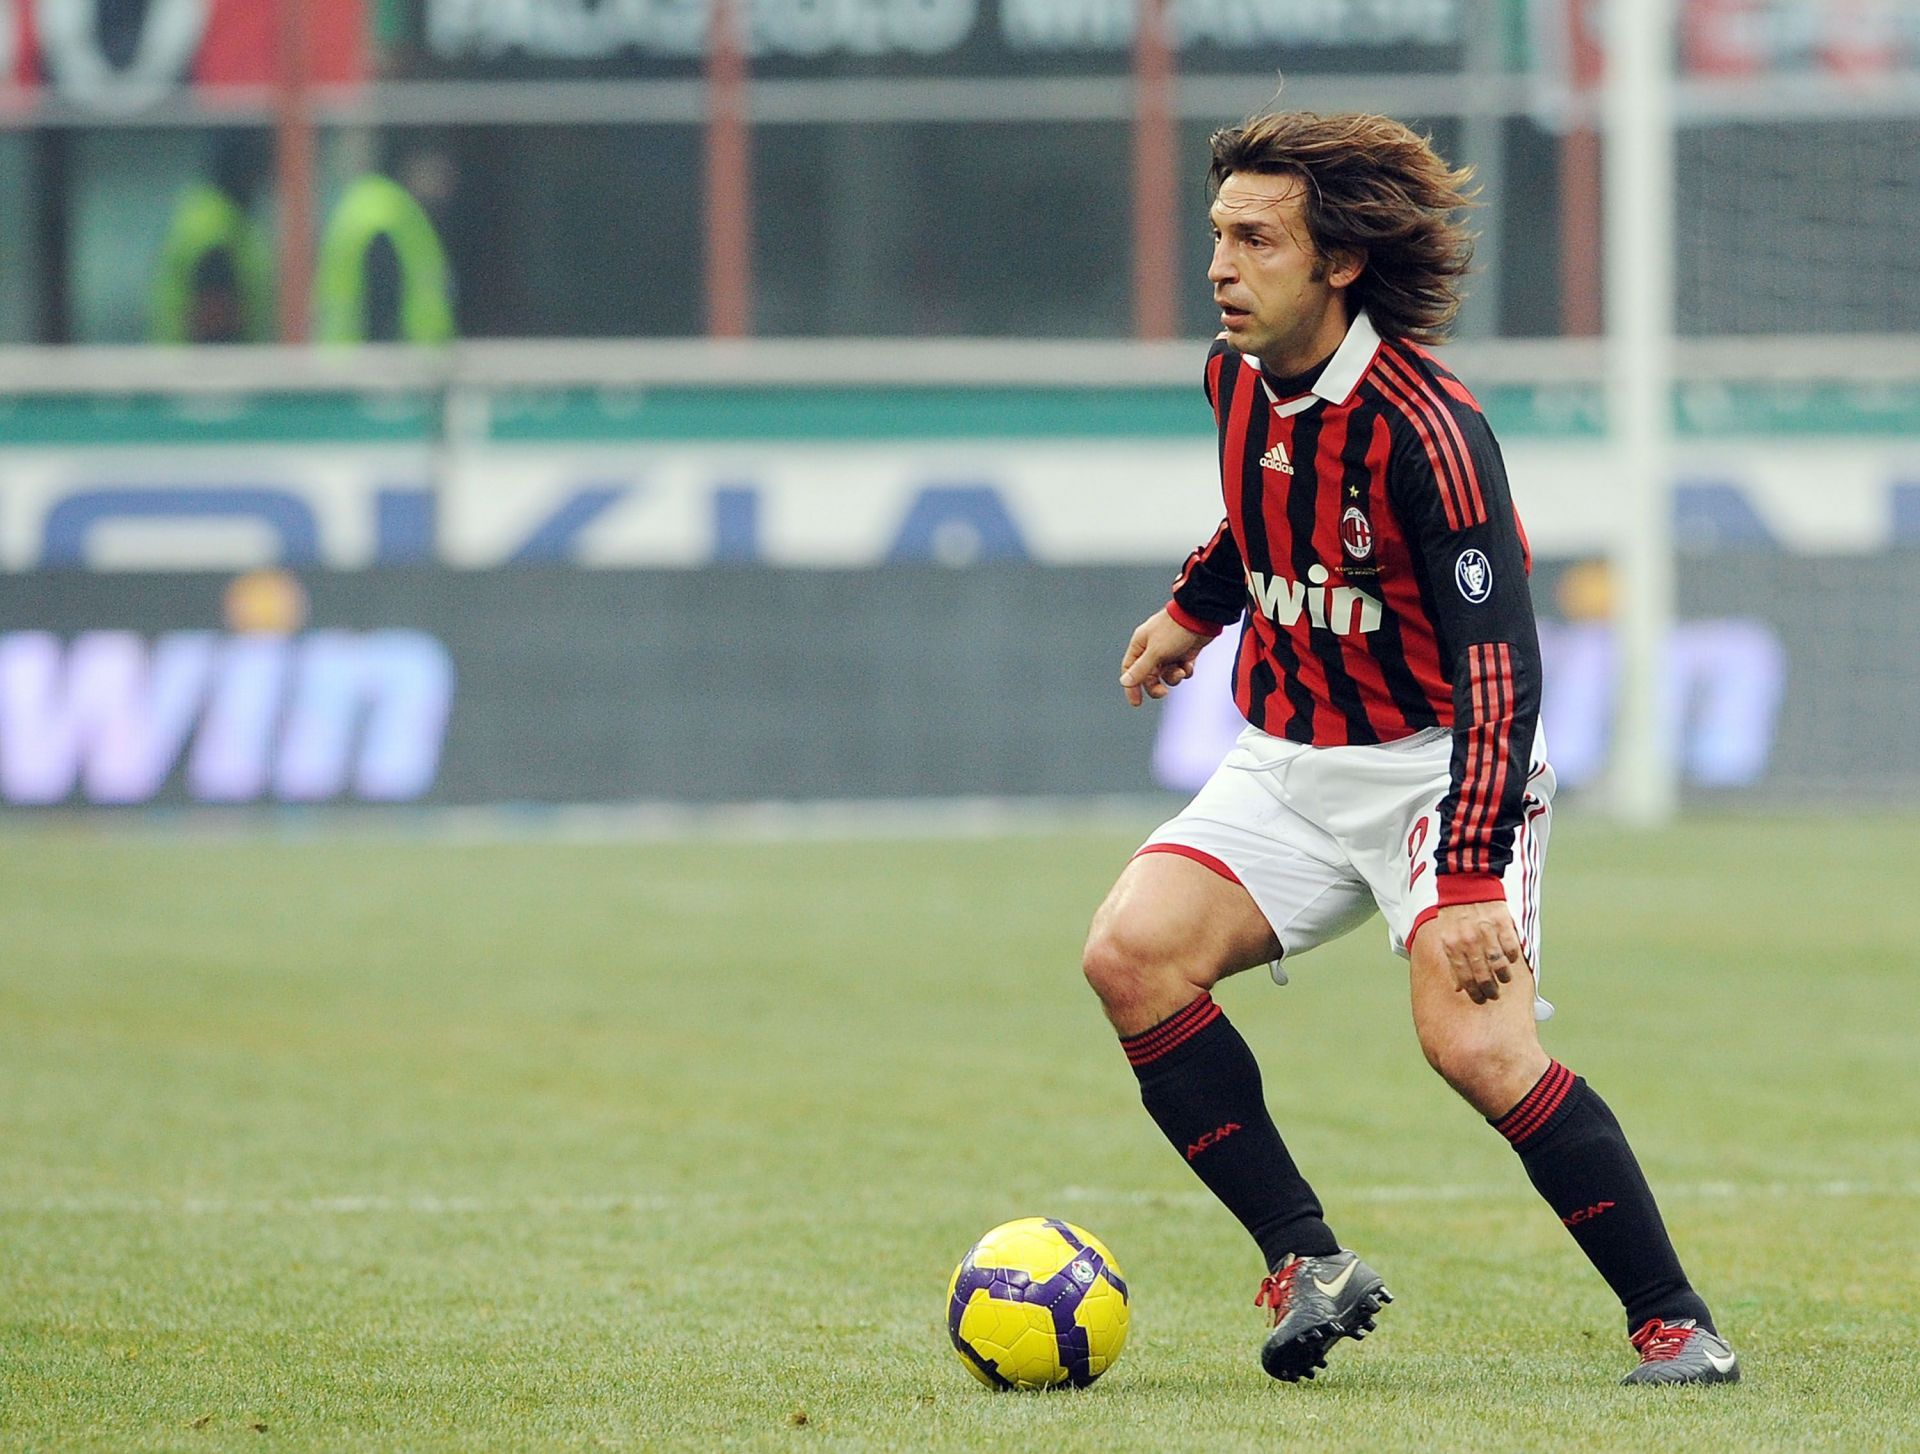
[(1201, 1085), (1577, 1157)]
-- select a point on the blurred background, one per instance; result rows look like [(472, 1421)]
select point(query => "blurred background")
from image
[(474, 402)]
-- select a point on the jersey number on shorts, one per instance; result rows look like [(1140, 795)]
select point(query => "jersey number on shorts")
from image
[(1414, 840)]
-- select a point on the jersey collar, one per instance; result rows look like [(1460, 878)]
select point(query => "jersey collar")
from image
[(1342, 373)]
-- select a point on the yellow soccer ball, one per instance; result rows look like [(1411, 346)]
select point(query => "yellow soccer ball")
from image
[(1037, 1303)]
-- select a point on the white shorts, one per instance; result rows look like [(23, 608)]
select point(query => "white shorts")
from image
[(1321, 837)]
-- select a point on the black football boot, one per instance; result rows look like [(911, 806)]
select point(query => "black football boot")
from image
[(1682, 1352), (1315, 1302)]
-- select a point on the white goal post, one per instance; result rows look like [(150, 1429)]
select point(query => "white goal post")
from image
[(1638, 191)]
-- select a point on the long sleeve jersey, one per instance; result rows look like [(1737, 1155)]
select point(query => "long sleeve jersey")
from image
[(1373, 551)]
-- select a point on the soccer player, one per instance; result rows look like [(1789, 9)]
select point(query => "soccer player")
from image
[(1389, 672)]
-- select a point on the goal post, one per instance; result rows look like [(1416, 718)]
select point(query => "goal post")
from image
[(1638, 191)]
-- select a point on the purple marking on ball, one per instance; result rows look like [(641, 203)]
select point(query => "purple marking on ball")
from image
[(1060, 1295), (1064, 1294), (973, 1279), (1067, 1235), (1099, 1262)]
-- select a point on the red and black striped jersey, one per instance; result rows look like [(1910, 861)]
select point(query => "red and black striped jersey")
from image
[(1373, 551)]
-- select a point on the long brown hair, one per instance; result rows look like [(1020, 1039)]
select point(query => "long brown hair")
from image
[(1374, 188)]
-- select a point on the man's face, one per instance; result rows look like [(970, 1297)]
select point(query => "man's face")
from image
[(1279, 300)]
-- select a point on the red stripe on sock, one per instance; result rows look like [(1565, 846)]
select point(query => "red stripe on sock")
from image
[(1541, 1089), (1548, 1091), (1173, 1024), (1545, 1112), (1171, 1033), (1539, 1104), (1175, 1030)]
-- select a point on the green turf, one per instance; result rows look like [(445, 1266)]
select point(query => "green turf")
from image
[(389, 1144)]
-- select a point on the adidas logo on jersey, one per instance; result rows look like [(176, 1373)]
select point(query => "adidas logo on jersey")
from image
[(1276, 459)]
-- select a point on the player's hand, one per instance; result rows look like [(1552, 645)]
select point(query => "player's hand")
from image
[(1159, 657), (1482, 947)]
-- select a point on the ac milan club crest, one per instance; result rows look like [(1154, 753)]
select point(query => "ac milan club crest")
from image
[(1356, 534)]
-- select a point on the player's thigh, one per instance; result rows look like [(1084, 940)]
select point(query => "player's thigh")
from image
[(1170, 914), (1245, 826)]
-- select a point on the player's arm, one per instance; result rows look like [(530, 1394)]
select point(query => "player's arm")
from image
[(1451, 490), (1208, 596)]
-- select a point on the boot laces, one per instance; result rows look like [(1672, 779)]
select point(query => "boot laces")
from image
[(1276, 1289), (1658, 1341)]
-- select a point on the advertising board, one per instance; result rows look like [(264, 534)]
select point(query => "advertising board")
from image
[(827, 478), (115, 56), (584, 38), (548, 684)]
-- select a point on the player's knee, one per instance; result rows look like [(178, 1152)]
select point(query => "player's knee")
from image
[(1114, 963), (1477, 1059), (1127, 965)]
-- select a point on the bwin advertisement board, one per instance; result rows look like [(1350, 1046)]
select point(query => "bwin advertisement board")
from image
[(734, 684)]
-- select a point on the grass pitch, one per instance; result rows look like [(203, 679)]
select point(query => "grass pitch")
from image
[(390, 1144)]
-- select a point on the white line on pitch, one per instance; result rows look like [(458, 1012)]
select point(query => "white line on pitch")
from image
[(427, 1205), (347, 1206), (1466, 1192)]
